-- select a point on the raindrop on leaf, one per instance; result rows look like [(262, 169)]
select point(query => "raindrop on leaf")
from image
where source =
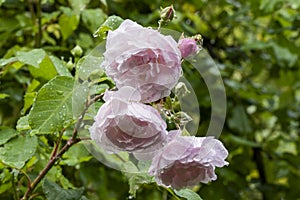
[(59, 92)]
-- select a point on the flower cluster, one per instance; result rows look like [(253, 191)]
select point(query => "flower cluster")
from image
[(145, 65)]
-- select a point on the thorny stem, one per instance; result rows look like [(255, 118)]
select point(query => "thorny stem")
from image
[(57, 154)]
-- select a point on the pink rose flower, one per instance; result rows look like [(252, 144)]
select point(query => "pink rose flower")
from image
[(188, 47), (187, 160), (144, 59), (124, 124)]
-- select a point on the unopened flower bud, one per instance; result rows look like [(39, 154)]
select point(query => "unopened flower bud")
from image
[(188, 47), (199, 39), (77, 51), (70, 64), (167, 13)]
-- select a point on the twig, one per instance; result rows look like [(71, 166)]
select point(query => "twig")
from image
[(56, 155), (49, 165), (57, 143)]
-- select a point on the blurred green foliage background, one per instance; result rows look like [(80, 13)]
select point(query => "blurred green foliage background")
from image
[(255, 44)]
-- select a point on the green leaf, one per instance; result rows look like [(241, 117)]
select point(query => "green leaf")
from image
[(89, 65), (112, 23), (76, 155), (56, 175), (46, 70), (28, 101), (68, 24), (136, 180), (269, 6), (3, 96), (79, 98), (7, 61), (283, 55), (287, 147), (40, 65), (33, 85), (52, 108), (4, 187), (101, 88), (33, 57), (88, 72), (188, 194), (257, 45), (78, 6), (55, 192), (18, 150), (23, 124), (1, 2), (7, 134), (242, 141), (168, 103), (60, 67), (92, 18), (85, 40), (239, 120), (7, 23), (104, 2)]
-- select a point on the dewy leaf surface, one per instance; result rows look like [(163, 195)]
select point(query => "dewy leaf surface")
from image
[(7, 134), (40, 64), (188, 194), (52, 108), (111, 23), (18, 150), (55, 192)]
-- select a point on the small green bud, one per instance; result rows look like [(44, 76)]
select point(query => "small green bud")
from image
[(77, 51), (70, 64)]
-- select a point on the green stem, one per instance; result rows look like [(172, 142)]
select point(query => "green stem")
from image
[(31, 10), (15, 195), (159, 25), (173, 194), (38, 36)]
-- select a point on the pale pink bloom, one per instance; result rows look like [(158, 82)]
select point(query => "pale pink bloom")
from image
[(144, 59), (187, 160), (124, 124)]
